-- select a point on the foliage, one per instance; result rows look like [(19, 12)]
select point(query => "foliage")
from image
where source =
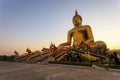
[(7, 58), (116, 58)]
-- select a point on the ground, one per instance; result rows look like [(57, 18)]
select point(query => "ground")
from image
[(24, 71)]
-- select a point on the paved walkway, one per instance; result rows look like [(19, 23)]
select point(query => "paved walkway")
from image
[(22, 71)]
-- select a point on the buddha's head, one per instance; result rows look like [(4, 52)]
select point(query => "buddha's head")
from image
[(77, 19)]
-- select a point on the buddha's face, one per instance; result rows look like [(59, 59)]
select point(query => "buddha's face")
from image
[(77, 21)]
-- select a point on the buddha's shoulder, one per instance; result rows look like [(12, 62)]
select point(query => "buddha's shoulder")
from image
[(86, 26)]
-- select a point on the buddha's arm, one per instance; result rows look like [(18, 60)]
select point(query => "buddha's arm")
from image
[(89, 34), (69, 37)]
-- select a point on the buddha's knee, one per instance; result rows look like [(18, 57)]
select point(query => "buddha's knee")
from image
[(101, 45), (98, 45)]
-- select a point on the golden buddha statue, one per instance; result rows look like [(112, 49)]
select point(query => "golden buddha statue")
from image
[(81, 35)]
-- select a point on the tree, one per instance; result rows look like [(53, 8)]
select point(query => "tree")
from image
[(116, 58)]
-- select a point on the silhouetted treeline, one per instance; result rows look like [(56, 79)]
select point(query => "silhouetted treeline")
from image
[(7, 58)]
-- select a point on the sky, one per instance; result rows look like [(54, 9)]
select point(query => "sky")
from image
[(34, 24)]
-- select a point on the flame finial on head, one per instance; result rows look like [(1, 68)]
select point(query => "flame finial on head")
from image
[(76, 13)]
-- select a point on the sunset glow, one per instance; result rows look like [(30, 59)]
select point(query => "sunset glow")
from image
[(35, 24)]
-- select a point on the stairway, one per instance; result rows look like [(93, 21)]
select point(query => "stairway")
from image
[(21, 58), (39, 58)]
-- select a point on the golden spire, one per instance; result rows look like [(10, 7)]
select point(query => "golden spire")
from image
[(76, 13)]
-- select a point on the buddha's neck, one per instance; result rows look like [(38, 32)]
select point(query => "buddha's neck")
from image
[(78, 25)]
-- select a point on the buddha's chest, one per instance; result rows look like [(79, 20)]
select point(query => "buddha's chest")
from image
[(79, 31), (79, 34)]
